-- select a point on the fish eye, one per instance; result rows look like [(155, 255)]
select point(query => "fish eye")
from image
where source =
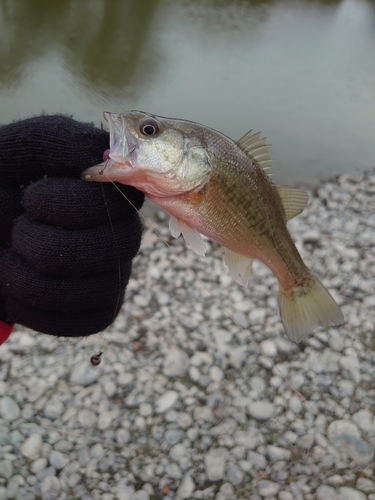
[(149, 128)]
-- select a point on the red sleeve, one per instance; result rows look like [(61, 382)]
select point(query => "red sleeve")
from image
[(5, 331)]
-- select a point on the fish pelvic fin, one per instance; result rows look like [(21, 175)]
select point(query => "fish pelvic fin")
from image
[(192, 236), (293, 200), (174, 227), (239, 266), (306, 307)]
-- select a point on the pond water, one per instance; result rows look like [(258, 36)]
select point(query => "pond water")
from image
[(302, 72)]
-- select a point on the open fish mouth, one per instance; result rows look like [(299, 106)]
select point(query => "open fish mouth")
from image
[(121, 146)]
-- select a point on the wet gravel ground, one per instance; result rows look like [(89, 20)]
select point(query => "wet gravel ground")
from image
[(187, 405)]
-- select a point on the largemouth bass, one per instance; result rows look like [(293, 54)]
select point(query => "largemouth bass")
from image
[(215, 186)]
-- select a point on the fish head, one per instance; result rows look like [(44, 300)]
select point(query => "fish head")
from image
[(159, 156)]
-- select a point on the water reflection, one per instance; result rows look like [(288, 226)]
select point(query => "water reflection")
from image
[(302, 71), (101, 42)]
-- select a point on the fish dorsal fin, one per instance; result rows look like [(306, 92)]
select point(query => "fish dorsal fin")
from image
[(239, 266), (293, 199), (257, 148), (192, 236)]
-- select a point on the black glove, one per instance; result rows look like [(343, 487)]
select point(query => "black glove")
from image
[(66, 246)]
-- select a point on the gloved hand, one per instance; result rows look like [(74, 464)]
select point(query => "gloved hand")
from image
[(66, 246)]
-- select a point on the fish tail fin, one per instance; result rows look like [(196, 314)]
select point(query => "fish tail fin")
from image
[(306, 307)]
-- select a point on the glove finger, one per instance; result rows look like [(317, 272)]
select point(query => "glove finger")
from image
[(58, 293), (62, 324), (73, 145), (10, 208), (49, 144), (57, 251), (76, 204)]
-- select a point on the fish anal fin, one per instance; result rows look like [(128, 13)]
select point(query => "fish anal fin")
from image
[(308, 306), (293, 200), (239, 266), (257, 149)]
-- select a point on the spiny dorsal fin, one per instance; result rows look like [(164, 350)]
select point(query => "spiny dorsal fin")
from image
[(293, 199), (257, 149)]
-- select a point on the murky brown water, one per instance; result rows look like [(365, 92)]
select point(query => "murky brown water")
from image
[(301, 71)]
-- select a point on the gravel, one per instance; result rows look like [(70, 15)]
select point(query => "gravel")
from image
[(185, 404)]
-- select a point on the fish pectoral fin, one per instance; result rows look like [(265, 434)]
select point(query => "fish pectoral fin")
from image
[(174, 227), (192, 236), (293, 200), (239, 266)]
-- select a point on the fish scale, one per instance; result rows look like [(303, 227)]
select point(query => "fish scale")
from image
[(215, 186)]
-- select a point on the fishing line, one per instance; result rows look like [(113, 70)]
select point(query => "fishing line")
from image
[(217, 301), (96, 358)]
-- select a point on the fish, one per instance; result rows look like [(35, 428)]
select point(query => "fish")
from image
[(214, 186)]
